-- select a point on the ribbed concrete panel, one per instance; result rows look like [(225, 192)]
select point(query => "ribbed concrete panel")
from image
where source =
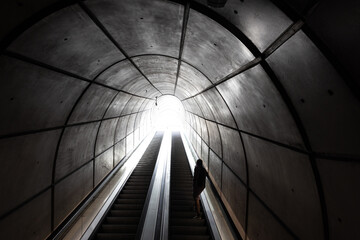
[(233, 152), (235, 199), (117, 105), (263, 225), (76, 148), (258, 107), (120, 131), (42, 97), (182, 93), (103, 165), (122, 76), (105, 138), (218, 108), (136, 137), (342, 201), (205, 108), (138, 105), (197, 125), (215, 169), (214, 138), (69, 47), (129, 143), (131, 105), (198, 145), (119, 152), (144, 27), (71, 191), (14, 14), (131, 124), (192, 79), (192, 106), (260, 20), (138, 120), (204, 131), (147, 105), (32, 221), (205, 153), (160, 70), (284, 180), (340, 32), (327, 108), (217, 52), (93, 104), (26, 167)]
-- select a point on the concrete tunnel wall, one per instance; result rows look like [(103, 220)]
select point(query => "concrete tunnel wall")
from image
[(270, 89)]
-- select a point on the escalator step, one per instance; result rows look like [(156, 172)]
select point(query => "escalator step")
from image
[(112, 228), (122, 220), (190, 237), (127, 206), (125, 213), (189, 230), (129, 201), (188, 222), (114, 236)]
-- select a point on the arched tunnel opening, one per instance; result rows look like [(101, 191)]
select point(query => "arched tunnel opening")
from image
[(265, 92)]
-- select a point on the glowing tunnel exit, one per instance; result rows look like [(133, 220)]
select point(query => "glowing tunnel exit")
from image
[(168, 114)]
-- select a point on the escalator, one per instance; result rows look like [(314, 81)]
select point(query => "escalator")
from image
[(122, 219), (182, 225)]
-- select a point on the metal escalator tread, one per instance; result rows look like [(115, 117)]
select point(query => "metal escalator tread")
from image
[(182, 225), (122, 220)]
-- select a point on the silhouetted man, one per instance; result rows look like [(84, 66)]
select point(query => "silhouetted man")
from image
[(200, 175)]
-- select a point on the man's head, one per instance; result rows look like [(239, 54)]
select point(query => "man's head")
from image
[(199, 162)]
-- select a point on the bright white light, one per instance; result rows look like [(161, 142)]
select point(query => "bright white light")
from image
[(168, 114)]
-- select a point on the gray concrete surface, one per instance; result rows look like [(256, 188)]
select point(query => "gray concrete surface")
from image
[(280, 137)]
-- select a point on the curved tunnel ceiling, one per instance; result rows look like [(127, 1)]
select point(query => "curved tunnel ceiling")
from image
[(267, 111)]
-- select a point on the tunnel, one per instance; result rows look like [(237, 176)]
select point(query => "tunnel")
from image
[(270, 95)]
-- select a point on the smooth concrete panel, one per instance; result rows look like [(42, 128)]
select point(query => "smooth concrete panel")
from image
[(214, 138), (31, 221), (192, 79), (215, 168), (103, 165), (119, 151), (219, 108), (258, 107), (327, 108), (138, 119), (136, 137), (44, 98), (26, 167), (143, 27), (235, 194), (217, 52), (285, 181), (105, 138), (120, 131), (233, 152), (160, 70), (62, 40), (117, 105), (260, 20), (92, 104), (262, 225), (76, 148), (337, 24), (340, 180), (71, 191)]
